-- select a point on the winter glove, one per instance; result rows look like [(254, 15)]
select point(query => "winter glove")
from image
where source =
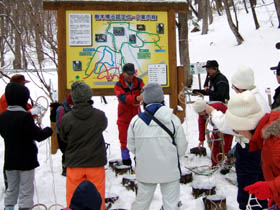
[(48, 131), (35, 110), (260, 189)]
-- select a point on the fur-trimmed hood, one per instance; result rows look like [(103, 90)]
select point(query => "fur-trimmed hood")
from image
[(273, 126), (267, 129)]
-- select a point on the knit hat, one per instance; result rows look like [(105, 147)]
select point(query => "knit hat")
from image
[(16, 94), (243, 112), (243, 78), (19, 78), (129, 68), (81, 92), (199, 105), (153, 93)]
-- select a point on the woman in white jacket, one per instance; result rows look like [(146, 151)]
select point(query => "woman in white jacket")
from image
[(247, 164), (157, 155)]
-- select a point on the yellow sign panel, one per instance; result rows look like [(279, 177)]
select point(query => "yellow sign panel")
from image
[(99, 43)]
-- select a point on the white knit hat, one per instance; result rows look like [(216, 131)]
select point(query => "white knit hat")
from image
[(243, 112), (243, 78), (199, 105)]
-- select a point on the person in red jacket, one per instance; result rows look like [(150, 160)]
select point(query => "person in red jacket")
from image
[(246, 117), (199, 107), (128, 91), (20, 79)]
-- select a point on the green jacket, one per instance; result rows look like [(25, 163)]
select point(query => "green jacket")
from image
[(82, 130)]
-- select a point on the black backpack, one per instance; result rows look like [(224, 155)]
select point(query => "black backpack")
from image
[(54, 107)]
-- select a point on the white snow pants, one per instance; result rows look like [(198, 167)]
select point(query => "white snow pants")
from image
[(20, 188), (170, 195)]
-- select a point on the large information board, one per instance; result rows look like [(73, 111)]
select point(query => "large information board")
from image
[(99, 43)]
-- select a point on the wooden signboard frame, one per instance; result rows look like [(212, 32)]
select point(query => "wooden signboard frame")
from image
[(175, 78)]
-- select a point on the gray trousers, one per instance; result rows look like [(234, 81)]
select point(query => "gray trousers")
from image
[(20, 188), (170, 192)]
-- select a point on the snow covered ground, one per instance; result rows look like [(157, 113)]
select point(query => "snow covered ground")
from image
[(258, 51)]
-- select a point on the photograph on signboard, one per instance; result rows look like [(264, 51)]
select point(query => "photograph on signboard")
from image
[(116, 38)]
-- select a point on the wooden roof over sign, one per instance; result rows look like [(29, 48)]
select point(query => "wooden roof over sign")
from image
[(148, 5)]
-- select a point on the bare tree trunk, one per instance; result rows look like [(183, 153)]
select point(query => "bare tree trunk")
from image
[(245, 6), (184, 46), (192, 8), (235, 15), (233, 28), (17, 60), (277, 7), (204, 4), (219, 7), (254, 14), (210, 13), (2, 39), (200, 9)]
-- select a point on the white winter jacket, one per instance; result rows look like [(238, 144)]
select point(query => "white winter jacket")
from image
[(156, 156)]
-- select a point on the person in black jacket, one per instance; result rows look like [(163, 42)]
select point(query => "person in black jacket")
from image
[(218, 89), (276, 97), (19, 132)]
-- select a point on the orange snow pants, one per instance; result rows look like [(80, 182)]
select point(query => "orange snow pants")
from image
[(76, 175)]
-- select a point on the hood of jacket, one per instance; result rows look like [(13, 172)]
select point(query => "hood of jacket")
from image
[(267, 128), (82, 111), (16, 94), (86, 197), (161, 112)]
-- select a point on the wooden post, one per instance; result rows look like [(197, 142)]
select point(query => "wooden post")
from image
[(173, 79), (180, 86)]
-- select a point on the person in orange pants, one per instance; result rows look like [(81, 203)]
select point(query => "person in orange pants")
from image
[(85, 154)]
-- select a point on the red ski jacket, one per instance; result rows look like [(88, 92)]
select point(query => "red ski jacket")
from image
[(128, 106), (267, 139)]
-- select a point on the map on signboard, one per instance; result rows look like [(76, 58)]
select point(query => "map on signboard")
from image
[(196, 68), (99, 43)]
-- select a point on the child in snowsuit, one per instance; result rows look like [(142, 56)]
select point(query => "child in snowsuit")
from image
[(157, 156), (199, 107), (19, 131)]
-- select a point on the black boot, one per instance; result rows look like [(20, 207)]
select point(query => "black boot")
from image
[(127, 162)]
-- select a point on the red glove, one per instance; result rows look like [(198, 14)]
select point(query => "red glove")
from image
[(260, 189)]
